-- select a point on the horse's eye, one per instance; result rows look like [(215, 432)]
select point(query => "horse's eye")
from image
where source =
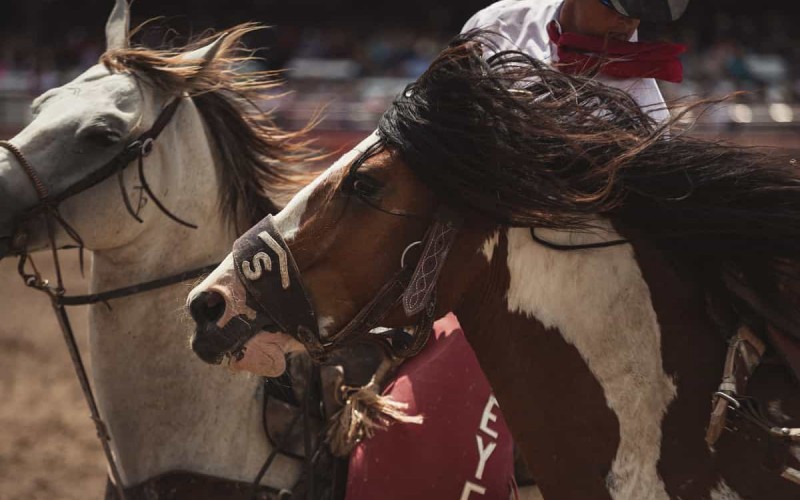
[(365, 186), (103, 138)]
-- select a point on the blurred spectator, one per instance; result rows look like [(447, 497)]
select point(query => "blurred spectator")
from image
[(354, 62)]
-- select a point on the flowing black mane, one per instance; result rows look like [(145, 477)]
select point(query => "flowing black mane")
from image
[(526, 145)]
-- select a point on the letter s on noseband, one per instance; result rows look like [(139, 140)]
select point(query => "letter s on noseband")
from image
[(261, 261)]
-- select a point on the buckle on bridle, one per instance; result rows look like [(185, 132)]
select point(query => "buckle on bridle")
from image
[(735, 404), (147, 147)]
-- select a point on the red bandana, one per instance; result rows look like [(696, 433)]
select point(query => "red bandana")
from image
[(578, 54)]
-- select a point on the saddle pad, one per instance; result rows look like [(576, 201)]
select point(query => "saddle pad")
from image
[(463, 450)]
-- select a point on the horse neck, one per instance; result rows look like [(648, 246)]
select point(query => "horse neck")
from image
[(165, 409), (579, 329)]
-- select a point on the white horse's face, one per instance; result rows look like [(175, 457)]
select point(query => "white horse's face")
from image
[(77, 129)]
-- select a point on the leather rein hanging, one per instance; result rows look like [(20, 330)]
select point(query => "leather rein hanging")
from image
[(48, 207)]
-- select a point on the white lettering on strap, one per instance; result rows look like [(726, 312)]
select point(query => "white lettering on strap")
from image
[(261, 261), (470, 487), (488, 415), (483, 455), (484, 450), (279, 251)]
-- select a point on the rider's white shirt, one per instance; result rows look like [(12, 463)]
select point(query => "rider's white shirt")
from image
[(522, 24)]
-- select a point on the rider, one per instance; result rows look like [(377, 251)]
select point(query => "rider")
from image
[(578, 36)]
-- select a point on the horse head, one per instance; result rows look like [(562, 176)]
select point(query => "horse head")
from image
[(136, 105), (124, 160), (413, 208)]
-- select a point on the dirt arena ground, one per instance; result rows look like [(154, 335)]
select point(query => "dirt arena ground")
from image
[(48, 448)]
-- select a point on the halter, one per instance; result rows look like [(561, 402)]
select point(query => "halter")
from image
[(266, 267), (48, 206)]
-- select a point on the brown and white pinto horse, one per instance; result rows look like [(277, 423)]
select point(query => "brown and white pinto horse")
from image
[(604, 331)]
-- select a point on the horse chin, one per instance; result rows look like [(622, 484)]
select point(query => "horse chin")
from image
[(264, 354)]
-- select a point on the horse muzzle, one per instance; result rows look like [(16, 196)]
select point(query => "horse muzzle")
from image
[(212, 342)]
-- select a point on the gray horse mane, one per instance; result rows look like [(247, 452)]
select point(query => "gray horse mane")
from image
[(261, 161)]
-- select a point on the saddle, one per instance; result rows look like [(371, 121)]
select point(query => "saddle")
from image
[(766, 331)]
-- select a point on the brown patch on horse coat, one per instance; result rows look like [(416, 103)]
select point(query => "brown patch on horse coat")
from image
[(693, 352), (693, 355), (554, 405)]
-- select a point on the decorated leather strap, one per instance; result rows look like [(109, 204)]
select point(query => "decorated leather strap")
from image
[(438, 242), (744, 355), (268, 271), (416, 290)]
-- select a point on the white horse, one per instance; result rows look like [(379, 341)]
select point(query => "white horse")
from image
[(165, 409)]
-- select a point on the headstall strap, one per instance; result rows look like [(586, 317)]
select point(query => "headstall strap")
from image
[(438, 242)]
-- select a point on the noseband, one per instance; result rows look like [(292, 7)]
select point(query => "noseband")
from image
[(269, 273)]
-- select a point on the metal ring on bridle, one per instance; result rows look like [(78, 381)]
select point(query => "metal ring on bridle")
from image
[(147, 146), (409, 247)]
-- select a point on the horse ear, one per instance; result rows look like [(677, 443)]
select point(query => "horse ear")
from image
[(117, 26), (204, 54)]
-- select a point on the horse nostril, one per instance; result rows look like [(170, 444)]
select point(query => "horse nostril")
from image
[(207, 307)]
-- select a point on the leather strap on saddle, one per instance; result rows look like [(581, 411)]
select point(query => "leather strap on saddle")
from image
[(745, 350), (781, 316)]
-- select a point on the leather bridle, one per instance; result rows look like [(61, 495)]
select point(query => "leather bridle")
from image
[(266, 267), (47, 206)]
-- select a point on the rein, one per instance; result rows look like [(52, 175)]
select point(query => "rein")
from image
[(582, 246)]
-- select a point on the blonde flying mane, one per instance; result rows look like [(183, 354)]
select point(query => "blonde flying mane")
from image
[(262, 161)]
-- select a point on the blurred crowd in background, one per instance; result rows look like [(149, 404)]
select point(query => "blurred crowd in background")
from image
[(354, 56)]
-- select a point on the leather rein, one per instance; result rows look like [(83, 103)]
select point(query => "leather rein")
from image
[(48, 205)]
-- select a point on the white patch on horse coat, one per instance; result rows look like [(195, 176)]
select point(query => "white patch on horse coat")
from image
[(600, 303), (287, 222), (724, 492), (489, 245)]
